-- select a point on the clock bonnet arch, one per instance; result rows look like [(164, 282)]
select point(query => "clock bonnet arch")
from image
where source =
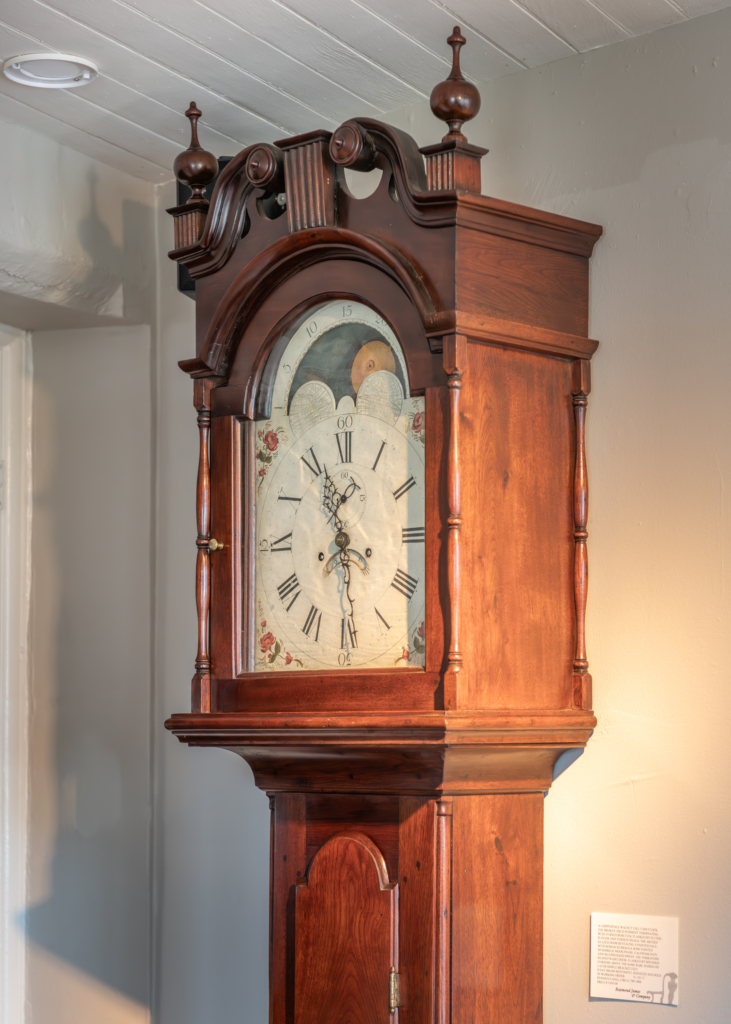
[(441, 767)]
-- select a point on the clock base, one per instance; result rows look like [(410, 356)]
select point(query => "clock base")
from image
[(444, 893)]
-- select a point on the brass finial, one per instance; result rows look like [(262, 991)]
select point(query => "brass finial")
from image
[(455, 100), (195, 166)]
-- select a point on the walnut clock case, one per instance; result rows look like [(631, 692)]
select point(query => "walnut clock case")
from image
[(391, 568)]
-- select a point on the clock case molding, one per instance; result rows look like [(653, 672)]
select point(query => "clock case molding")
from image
[(490, 302), (437, 775)]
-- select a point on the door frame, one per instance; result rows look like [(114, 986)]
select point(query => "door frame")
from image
[(16, 383)]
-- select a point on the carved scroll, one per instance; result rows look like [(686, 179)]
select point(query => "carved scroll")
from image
[(443, 980), (207, 244), (455, 352), (201, 688), (580, 388)]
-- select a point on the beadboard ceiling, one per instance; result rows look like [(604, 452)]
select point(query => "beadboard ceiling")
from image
[(264, 69)]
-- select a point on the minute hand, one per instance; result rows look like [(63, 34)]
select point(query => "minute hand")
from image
[(332, 499)]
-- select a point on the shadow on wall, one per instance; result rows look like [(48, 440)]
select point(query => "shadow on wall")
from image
[(121, 280), (112, 284), (565, 761)]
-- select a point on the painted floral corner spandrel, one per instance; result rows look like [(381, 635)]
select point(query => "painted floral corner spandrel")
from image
[(416, 649), (268, 440), (416, 421), (273, 653)]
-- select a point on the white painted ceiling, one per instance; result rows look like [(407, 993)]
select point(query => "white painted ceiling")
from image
[(264, 69)]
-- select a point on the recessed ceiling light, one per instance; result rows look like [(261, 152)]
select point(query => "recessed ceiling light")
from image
[(50, 70)]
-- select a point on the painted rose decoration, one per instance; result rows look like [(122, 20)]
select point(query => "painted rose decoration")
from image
[(268, 441), (272, 649), (416, 425), (417, 645)]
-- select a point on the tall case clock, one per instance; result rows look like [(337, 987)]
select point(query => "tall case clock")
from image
[(391, 558)]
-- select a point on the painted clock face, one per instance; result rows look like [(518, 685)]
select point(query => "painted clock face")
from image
[(340, 500)]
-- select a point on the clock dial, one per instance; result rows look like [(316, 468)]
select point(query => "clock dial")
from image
[(340, 506)]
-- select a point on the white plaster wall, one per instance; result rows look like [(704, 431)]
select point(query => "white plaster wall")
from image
[(75, 236), (637, 137), (88, 917)]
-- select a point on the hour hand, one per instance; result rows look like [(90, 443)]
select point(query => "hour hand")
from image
[(356, 559), (332, 561)]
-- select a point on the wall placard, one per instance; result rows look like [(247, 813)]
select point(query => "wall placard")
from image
[(634, 957)]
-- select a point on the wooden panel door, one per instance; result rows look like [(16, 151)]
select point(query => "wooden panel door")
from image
[(346, 929)]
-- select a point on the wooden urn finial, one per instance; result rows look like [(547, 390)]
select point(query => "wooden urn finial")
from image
[(195, 166), (455, 100)]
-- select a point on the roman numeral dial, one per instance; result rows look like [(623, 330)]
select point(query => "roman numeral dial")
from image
[(348, 632), (282, 544), (312, 623), (289, 591), (400, 491), (345, 446), (310, 460), (405, 584)]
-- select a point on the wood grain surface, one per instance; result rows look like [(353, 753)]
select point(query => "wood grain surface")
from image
[(505, 278), (346, 935), (383, 834), (288, 866), (518, 552), (443, 934), (417, 909), (497, 909)]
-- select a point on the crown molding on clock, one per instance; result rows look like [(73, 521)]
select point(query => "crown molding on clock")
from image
[(361, 144)]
